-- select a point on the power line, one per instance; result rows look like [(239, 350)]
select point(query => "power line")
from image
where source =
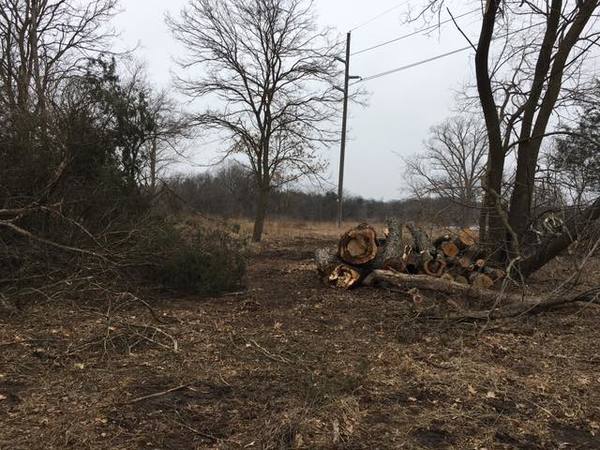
[(422, 30), (443, 55), (373, 19)]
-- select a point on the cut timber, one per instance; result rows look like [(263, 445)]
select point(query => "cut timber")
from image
[(345, 277), (449, 249), (465, 262), (448, 277), (480, 264), (420, 238), (494, 274), (326, 259), (461, 280), (359, 245), (395, 264), (474, 252), (481, 280), (466, 238), (413, 263), (425, 282), (434, 267), (440, 240), (389, 255), (393, 244)]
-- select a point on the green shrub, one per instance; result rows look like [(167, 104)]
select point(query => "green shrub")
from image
[(212, 262)]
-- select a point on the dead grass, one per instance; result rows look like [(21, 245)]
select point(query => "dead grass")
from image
[(290, 364)]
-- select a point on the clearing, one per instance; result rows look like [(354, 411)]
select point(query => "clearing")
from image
[(293, 364)]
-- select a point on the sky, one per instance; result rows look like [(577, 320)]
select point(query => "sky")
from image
[(401, 107)]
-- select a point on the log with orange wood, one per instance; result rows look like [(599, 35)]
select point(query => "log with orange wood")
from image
[(454, 257)]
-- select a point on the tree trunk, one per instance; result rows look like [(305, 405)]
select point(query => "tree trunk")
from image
[(494, 231), (153, 167), (261, 213)]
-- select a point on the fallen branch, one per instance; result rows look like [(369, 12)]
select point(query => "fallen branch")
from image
[(426, 282), (514, 305)]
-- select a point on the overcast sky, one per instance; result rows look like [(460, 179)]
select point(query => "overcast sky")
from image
[(402, 106)]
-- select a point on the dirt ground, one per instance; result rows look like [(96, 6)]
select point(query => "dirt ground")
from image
[(290, 363)]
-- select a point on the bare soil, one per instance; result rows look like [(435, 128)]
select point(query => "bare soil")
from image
[(293, 364)]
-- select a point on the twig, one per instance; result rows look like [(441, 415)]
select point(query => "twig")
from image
[(461, 31), (157, 394), (276, 358)]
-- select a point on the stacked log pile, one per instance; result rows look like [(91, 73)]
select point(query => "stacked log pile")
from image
[(454, 257)]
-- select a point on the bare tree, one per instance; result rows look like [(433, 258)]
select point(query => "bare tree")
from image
[(272, 74), (42, 44), (452, 165), (529, 68)]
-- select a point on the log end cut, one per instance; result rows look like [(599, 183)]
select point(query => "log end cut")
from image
[(359, 245), (344, 277)]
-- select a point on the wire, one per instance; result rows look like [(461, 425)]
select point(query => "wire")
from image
[(443, 55), (422, 30), (387, 11)]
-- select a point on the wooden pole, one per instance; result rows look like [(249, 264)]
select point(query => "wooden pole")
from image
[(344, 127)]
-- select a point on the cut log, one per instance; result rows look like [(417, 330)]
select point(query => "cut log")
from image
[(440, 240), (495, 274), (345, 276), (412, 262), (393, 244), (447, 277), (449, 249), (466, 238), (390, 253), (465, 263), (395, 264), (425, 282), (474, 252), (359, 245), (434, 267), (481, 280), (461, 280), (326, 259), (422, 243), (480, 264)]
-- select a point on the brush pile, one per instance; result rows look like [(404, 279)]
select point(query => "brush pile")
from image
[(454, 257)]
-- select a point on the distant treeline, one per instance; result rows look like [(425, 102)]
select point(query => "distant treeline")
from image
[(230, 192)]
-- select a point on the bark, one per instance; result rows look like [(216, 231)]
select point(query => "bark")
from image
[(326, 259), (391, 249), (425, 282), (494, 231), (422, 243), (261, 213)]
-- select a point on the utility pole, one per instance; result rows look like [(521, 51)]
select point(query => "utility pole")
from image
[(347, 78)]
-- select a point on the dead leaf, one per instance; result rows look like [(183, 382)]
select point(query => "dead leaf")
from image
[(2, 397), (491, 394)]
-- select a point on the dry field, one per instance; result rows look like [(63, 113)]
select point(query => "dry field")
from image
[(291, 364)]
